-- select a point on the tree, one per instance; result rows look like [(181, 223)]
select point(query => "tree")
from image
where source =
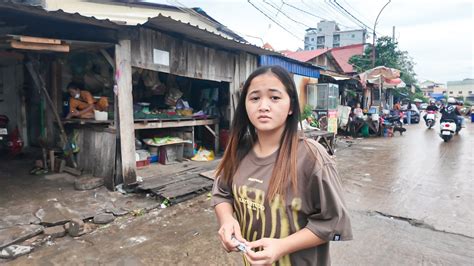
[(386, 54)]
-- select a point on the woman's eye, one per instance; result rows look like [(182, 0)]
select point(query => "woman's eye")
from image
[(254, 98), (275, 98)]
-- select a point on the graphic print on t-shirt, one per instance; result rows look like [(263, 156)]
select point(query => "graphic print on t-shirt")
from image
[(250, 210)]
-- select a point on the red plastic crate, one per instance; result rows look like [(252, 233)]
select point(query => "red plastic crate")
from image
[(143, 163)]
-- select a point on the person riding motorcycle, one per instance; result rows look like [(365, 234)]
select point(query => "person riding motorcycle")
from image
[(450, 112), (431, 107)]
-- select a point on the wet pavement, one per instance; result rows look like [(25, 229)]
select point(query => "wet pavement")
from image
[(410, 197), (415, 176)]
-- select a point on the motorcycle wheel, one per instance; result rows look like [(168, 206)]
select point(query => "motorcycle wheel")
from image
[(429, 124), (447, 138)]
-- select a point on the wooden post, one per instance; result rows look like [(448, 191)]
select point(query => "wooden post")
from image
[(125, 111)]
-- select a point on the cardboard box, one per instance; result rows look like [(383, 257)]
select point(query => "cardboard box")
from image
[(170, 154)]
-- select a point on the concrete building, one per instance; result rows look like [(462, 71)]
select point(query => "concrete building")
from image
[(329, 35), (429, 87), (462, 88)]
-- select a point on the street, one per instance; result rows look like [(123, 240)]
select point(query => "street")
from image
[(410, 197)]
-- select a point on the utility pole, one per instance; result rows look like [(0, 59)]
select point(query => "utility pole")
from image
[(393, 34), (373, 33)]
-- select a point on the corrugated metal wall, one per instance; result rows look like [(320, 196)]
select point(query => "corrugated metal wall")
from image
[(292, 67)]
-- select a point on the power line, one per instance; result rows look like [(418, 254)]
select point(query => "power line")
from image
[(335, 1), (360, 14), (301, 10), (336, 13), (321, 7), (310, 7), (338, 10), (284, 14), (275, 21), (287, 25)]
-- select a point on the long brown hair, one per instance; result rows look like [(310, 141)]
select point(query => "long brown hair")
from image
[(243, 136)]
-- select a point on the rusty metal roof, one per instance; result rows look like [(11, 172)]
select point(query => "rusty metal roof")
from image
[(196, 33), (22, 9)]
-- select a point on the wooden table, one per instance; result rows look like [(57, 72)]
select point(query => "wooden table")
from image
[(327, 139), (356, 125)]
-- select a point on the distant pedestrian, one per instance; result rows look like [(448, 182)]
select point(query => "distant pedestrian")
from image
[(408, 112), (283, 188)]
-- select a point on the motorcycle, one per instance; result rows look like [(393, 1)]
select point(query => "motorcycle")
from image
[(430, 119), (10, 142), (3, 129), (448, 129), (395, 121)]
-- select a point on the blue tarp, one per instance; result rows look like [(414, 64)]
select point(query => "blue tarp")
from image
[(293, 66), (437, 96)]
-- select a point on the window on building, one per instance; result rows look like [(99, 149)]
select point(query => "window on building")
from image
[(470, 92), (451, 92), (336, 38), (312, 39), (320, 29), (320, 46), (459, 92), (312, 48), (353, 36), (335, 45), (320, 40), (306, 39)]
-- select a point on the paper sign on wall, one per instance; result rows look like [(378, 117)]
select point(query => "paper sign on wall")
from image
[(161, 57)]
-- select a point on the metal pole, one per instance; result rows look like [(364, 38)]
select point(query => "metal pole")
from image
[(373, 33)]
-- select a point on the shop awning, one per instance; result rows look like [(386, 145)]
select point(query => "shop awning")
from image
[(334, 75)]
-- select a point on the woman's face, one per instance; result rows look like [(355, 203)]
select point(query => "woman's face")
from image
[(267, 103)]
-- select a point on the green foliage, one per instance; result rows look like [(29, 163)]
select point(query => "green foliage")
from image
[(387, 54), (307, 111)]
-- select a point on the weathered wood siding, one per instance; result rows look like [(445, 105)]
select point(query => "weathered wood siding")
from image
[(186, 58), (97, 151)]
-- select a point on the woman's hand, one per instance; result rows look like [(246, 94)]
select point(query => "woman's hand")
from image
[(273, 250), (230, 227)]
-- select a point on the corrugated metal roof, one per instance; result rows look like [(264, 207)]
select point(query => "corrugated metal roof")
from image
[(291, 65), (196, 33), (22, 9), (160, 22), (344, 53)]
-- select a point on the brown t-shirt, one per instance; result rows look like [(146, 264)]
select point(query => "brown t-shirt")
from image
[(318, 204)]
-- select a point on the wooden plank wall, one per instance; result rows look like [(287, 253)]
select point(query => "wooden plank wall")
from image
[(97, 151), (186, 58), (245, 64)]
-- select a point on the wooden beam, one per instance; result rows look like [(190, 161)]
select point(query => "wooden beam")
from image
[(109, 58), (40, 47), (39, 40), (168, 124), (125, 111)]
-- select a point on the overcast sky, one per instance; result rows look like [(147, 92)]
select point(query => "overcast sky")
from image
[(437, 34)]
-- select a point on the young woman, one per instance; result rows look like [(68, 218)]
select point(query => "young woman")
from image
[(283, 189)]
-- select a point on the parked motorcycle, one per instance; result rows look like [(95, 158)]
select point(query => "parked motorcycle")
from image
[(10, 142), (395, 121), (448, 129), (430, 119), (3, 129)]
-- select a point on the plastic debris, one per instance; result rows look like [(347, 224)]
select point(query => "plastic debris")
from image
[(203, 155)]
